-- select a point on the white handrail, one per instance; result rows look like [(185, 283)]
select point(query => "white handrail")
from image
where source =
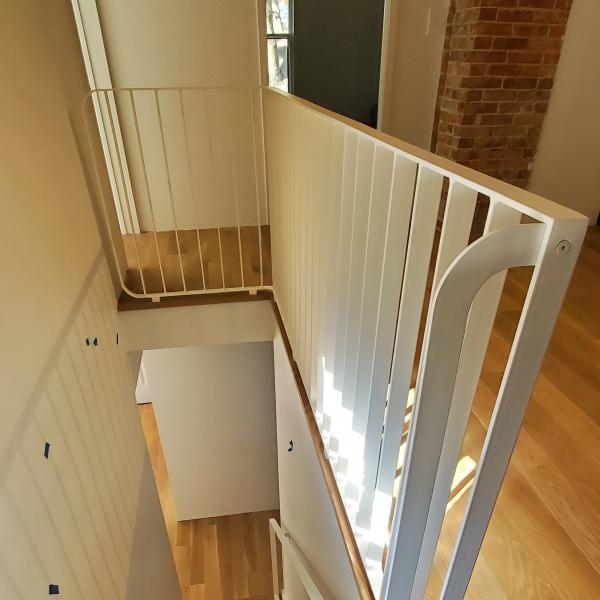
[(352, 300), (293, 554)]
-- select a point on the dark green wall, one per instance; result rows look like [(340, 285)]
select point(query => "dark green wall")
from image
[(337, 49)]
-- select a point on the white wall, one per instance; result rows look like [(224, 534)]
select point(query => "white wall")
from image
[(306, 508), (206, 325), (566, 168), (215, 409), (152, 43), (71, 519), (414, 33)]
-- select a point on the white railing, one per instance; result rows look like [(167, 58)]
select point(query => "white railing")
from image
[(188, 185), (293, 557), (354, 216)]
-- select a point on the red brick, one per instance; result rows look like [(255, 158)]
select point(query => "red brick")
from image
[(482, 43), (530, 30), (478, 107), (529, 119), (510, 130), (466, 142), (519, 83), (481, 82), (477, 56), (498, 68), (511, 43), (525, 57), (468, 95), (490, 28), (474, 131), (515, 16), (493, 3), (508, 107), (545, 83), (537, 70), (537, 95), (557, 30), (564, 4), (505, 70), (537, 3), (556, 17), (544, 43), (505, 95), (551, 58), (487, 14), (491, 142), (505, 119)]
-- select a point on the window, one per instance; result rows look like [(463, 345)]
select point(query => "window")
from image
[(279, 43)]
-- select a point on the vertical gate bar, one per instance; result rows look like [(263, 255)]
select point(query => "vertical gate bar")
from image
[(477, 334), (221, 256), (399, 208), (456, 227), (112, 126), (235, 183), (258, 215), (418, 255), (164, 149), (517, 245), (551, 276), (189, 165), (139, 141), (274, 563)]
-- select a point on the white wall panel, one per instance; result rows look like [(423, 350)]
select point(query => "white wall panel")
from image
[(206, 325), (72, 517), (306, 508), (215, 410)]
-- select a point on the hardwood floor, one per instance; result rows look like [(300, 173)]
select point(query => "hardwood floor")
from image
[(221, 558), (544, 537), (212, 244)]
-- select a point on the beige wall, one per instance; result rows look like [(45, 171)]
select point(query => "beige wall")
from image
[(197, 43), (70, 519), (188, 42), (411, 59), (567, 164)]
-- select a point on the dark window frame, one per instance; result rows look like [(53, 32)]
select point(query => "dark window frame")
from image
[(290, 40)]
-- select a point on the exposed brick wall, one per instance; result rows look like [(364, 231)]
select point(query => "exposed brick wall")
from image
[(497, 74)]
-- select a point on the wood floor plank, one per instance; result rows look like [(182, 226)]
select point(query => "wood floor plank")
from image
[(210, 259)]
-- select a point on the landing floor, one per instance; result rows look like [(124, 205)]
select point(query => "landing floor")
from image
[(210, 259), (221, 558)]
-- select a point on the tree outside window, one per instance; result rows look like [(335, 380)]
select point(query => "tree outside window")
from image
[(279, 43)]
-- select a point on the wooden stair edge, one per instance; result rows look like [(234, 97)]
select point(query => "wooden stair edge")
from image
[(359, 570), (128, 302)]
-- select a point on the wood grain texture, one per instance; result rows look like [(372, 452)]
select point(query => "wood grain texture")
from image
[(219, 558), (161, 251), (127, 302)]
